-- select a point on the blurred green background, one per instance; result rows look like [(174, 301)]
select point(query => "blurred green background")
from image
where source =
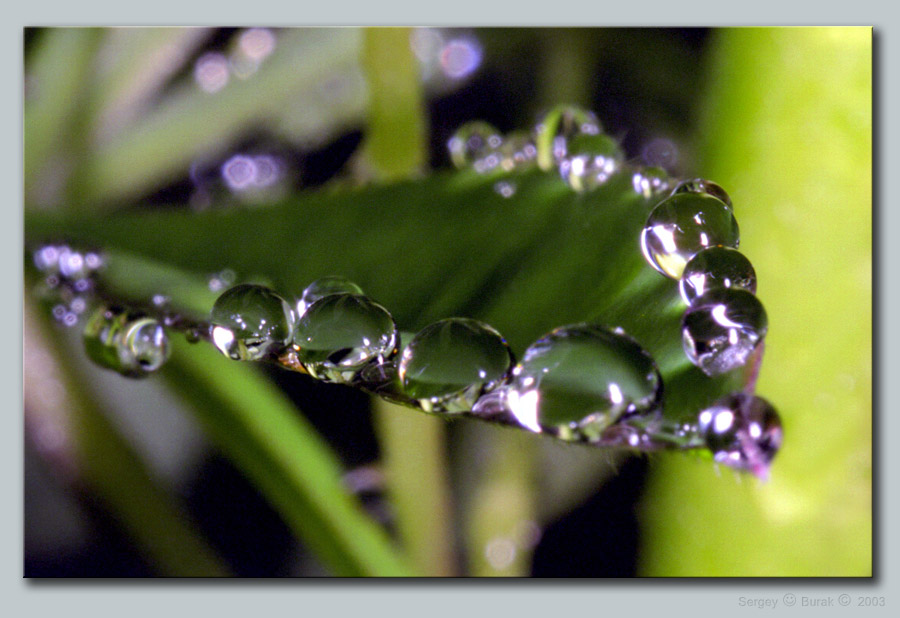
[(125, 478)]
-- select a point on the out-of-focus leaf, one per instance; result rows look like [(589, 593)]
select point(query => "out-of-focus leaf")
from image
[(258, 429), (190, 122), (105, 462), (789, 133)]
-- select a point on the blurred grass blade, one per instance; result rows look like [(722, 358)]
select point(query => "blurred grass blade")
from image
[(134, 65), (191, 123), (266, 438), (413, 447), (105, 462), (788, 131), (56, 80), (395, 145)]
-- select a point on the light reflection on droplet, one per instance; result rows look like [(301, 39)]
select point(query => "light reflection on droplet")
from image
[(211, 72), (460, 57), (660, 152)]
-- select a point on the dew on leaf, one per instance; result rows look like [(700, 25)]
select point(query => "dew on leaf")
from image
[(250, 321), (714, 268), (681, 226), (340, 334), (446, 366), (721, 329)]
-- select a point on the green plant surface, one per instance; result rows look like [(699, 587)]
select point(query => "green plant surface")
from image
[(266, 437), (788, 130), (103, 462), (524, 264)]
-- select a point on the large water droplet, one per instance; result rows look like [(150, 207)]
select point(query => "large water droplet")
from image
[(590, 161), (557, 128), (450, 363), (714, 268), (341, 333), (127, 342), (250, 321), (650, 181), (320, 288), (704, 187), (471, 142), (722, 328), (742, 431), (578, 380), (681, 226)]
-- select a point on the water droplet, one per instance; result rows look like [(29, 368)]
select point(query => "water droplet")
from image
[(320, 288), (145, 345), (578, 380), (517, 152), (713, 268), (505, 188), (650, 181), (250, 321), (722, 328), (590, 161), (341, 333), (683, 225), (127, 342), (704, 187), (471, 142), (557, 128), (195, 333), (743, 431), (449, 364)]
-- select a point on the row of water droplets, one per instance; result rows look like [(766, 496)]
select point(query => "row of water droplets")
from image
[(581, 382), (691, 236)]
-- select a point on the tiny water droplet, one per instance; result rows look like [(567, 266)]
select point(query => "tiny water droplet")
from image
[(681, 226), (250, 321), (127, 342), (714, 268), (743, 431), (650, 181), (342, 333), (704, 187), (320, 288), (557, 128), (578, 380), (471, 142), (449, 364), (722, 328), (195, 333), (145, 345), (505, 188), (590, 161), (517, 152)]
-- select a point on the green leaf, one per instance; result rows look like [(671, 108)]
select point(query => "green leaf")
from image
[(447, 245), (258, 429), (789, 134)]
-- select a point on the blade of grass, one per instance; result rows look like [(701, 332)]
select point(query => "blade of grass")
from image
[(266, 438), (55, 90), (413, 446), (191, 122), (108, 465)]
